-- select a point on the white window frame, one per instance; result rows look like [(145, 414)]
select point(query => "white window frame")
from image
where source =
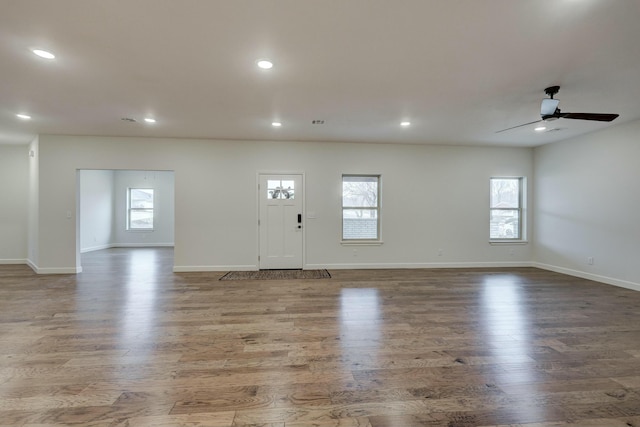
[(131, 209), (520, 237), (376, 240)]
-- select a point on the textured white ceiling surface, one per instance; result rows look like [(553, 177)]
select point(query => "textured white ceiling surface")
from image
[(458, 70)]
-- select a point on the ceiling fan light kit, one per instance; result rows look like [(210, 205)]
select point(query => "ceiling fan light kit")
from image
[(549, 106)]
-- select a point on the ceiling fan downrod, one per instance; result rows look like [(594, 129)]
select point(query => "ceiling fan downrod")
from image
[(552, 90)]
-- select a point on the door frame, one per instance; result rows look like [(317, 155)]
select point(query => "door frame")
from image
[(304, 210)]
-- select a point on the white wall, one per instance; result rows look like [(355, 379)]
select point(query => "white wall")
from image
[(96, 209), (14, 200), (587, 204), (432, 197)]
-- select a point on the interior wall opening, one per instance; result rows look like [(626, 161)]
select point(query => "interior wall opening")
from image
[(124, 209)]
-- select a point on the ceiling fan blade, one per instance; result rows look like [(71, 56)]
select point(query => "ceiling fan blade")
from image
[(590, 116), (519, 126)]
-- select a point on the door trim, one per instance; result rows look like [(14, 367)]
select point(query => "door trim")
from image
[(304, 212)]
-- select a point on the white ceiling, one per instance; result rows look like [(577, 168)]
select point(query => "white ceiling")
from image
[(458, 70)]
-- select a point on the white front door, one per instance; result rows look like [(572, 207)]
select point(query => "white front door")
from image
[(280, 221)]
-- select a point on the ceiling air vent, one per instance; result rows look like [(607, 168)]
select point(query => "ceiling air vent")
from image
[(317, 122), (128, 119)]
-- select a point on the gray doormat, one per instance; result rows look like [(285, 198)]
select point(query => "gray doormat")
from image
[(276, 275)]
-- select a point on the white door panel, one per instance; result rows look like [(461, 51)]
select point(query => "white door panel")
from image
[(280, 221)]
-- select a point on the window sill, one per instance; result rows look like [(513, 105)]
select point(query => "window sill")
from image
[(141, 231), (508, 242), (361, 242)]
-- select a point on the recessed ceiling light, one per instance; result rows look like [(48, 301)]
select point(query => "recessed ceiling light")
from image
[(23, 116), (540, 128), (276, 124), (405, 123), (43, 54), (149, 120), (265, 64)]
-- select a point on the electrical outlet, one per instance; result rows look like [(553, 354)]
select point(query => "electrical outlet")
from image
[(590, 260), (439, 252)]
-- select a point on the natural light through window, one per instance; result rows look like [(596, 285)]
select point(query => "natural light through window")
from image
[(140, 209), (281, 189), (360, 207), (506, 209), (360, 322)]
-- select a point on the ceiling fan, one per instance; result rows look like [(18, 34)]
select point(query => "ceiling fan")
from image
[(549, 111)]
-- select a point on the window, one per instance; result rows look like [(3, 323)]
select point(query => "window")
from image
[(281, 189), (505, 221), (140, 209), (360, 207)]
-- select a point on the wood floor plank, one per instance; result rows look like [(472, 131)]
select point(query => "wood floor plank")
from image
[(196, 420), (597, 422), (131, 344)]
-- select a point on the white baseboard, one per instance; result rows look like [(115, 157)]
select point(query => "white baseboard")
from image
[(356, 266), (54, 270), (195, 268), (203, 268), (13, 261), (59, 270), (95, 248), (589, 276)]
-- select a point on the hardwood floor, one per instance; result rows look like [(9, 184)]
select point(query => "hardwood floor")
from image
[(129, 343)]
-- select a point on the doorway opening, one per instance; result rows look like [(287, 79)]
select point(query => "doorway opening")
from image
[(124, 209)]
